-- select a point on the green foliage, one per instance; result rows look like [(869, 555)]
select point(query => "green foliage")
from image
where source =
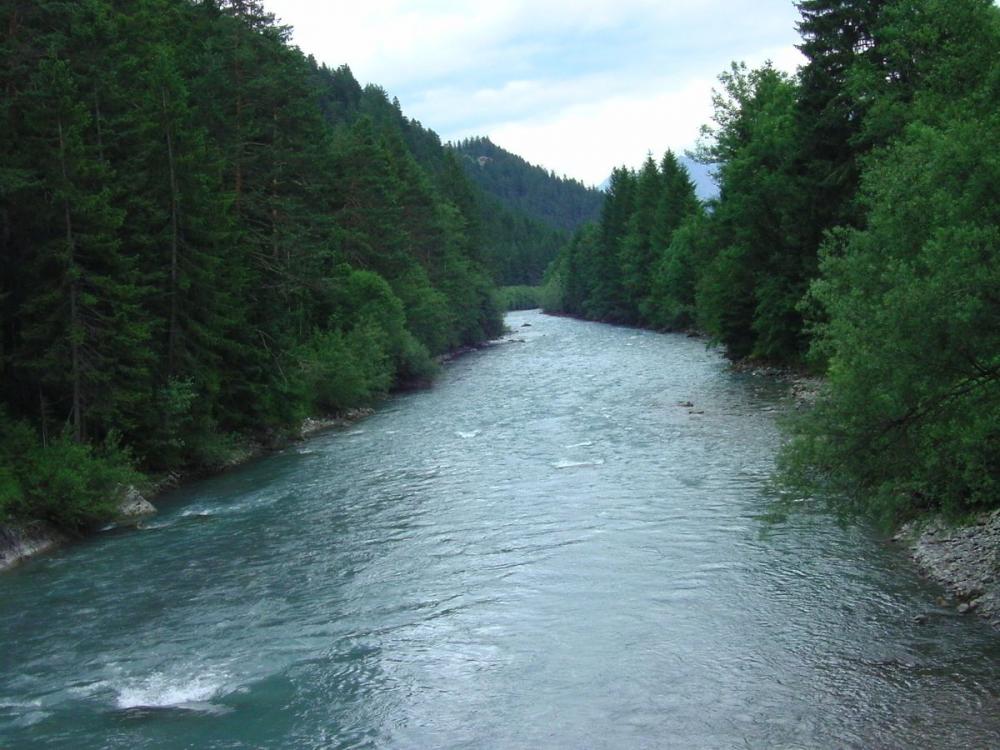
[(906, 311), (613, 270), (342, 370), (636, 251), (519, 297), (671, 305), (524, 212), (724, 300), (911, 331), (205, 236), (516, 248), (72, 485)]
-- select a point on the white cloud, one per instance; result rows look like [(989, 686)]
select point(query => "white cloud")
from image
[(588, 139), (578, 87)]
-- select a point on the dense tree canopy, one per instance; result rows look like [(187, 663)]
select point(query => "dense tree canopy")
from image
[(527, 212), (559, 202), (205, 234)]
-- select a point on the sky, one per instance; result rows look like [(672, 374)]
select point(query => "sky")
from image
[(578, 86)]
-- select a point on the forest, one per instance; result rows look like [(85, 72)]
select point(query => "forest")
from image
[(205, 236), (855, 235), (529, 212), (560, 202)]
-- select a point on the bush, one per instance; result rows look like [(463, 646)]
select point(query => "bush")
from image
[(341, 370), (72, 485)]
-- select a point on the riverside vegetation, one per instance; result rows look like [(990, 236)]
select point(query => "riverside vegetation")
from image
[(856, 234), (205, 236)]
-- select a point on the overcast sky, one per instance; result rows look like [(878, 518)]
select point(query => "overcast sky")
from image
[(576, 86)]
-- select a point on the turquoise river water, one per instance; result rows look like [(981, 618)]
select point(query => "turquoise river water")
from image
[(545, 550)]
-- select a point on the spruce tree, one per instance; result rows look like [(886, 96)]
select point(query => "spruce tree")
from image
[(637, 253)]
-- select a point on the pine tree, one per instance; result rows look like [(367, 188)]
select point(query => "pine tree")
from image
[(87, 335), (637, 253), (835, 35), (608, 300), (678, 200)]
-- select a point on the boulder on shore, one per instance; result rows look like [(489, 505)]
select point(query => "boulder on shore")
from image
[(21, 541), (134, 506)]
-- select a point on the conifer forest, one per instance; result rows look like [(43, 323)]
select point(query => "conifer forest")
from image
[(207, 236)]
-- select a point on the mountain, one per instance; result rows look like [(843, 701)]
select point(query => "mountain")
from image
[(560, 202)]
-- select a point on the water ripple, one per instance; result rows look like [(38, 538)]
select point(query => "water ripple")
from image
[(548, 549)]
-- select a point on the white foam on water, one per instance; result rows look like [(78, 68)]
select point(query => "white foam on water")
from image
[(202, 511), (197, 513), (576, 464), (88, 690), (163, 691), (23, 713), (467, 435), (154, 525), (6, 703), (584, 444), (31, 718)]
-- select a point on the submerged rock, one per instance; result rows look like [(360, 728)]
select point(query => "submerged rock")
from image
[(312, 425)]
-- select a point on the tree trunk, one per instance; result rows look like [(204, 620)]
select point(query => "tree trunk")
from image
[(172, 332), (74, 314), (97, 121)]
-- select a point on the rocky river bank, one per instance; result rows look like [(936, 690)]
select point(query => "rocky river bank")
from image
[(22, 541), (964, 559)]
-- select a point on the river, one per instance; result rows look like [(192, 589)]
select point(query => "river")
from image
[(545, 550)]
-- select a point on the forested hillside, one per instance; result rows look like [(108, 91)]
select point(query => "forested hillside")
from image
[(856, 231), (515, 248), (527, 212), (204, 235), (560, 202)]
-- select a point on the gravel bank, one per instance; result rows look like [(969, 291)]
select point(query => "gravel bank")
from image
[(964, 559)]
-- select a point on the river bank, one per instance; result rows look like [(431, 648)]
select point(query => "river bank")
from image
[(22, 541), (964, 559)]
